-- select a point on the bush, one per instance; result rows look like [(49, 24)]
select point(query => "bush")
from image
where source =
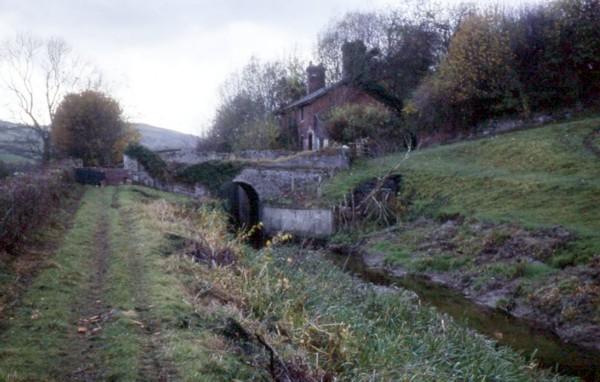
[(212, 174), (26, 202), (353, 122), (152, 162)]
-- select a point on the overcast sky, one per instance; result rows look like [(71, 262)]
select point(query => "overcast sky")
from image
[(165, 59)]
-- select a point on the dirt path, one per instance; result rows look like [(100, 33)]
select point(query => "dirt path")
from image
[(82, 362), (97, 310), (152, 366)]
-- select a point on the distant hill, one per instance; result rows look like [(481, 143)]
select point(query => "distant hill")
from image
[(158, 138), (16, 142)]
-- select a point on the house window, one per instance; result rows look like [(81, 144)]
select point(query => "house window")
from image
[(302, 113)]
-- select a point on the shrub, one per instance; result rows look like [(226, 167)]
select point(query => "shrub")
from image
[(348, 123), (151, 161), (353, 122), (212, 174), (26, 202)]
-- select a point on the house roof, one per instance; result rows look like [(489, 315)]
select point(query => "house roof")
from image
[(309, 98)]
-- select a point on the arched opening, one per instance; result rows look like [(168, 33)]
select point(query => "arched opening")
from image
[(245, 205)]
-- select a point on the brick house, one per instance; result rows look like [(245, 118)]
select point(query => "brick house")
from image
[(307, 115)]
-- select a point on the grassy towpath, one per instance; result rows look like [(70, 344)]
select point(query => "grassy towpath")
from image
[(89, 315)]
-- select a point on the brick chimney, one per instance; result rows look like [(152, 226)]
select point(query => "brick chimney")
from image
[(353, 59), (315, 78)]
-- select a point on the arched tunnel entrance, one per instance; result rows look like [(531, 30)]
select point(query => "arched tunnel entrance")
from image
[(246, 207)]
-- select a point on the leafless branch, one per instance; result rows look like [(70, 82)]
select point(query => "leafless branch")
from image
[(39, 74)]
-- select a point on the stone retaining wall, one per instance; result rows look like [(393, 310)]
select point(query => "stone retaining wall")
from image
[(314, 223), (139, 175)]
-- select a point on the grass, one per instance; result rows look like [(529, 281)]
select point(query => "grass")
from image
[(537, 178), (40, 340), (390, 336), (315, 315), (38, 335), (319, 319), (540, 177)]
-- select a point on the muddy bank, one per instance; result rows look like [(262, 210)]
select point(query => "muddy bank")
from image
[(543, 275), (521, 323)]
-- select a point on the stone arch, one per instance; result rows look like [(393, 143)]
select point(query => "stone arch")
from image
[(246, 204)]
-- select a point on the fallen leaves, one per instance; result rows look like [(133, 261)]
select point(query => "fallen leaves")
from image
[(93, 325)]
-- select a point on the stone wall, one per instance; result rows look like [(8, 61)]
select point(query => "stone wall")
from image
[(139, 175), (285, 186), (314, 223), (329, 159), (192, 156), (491, 127)]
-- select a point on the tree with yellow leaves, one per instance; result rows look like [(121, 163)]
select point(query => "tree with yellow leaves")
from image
[(479, 66), (90, 126)]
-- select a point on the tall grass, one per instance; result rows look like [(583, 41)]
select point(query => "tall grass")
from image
[(320, 318)]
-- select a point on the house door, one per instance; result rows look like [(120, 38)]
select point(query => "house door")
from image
[(310, 141)]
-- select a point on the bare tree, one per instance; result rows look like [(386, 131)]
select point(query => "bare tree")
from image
[(38, 74)]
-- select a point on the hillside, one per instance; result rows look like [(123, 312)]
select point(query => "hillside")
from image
[(158, 138), (511, 222), (538, 177), (16, 142)]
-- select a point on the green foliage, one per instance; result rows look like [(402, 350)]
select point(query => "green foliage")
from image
[(476, 79), (351, 122), (151, 161), (536, 270), (212, 174)]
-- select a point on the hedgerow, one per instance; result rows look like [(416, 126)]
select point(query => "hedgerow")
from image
[(26, 202)]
